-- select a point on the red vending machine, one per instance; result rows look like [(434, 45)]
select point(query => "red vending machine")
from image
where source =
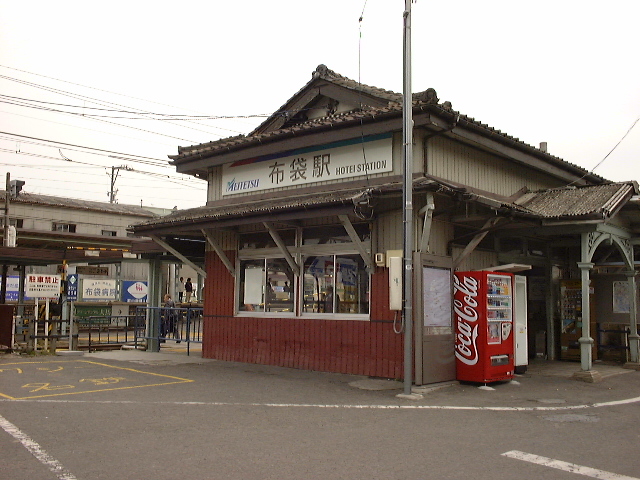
[(483, 318)]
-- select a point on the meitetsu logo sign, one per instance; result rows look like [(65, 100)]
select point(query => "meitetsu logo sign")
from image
[(322, 163), (233, 186), (465, 309)]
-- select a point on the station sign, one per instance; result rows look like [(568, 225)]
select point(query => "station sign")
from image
[(320, 163), (90, 270)]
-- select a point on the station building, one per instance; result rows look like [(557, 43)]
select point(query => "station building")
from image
[(304, 212)]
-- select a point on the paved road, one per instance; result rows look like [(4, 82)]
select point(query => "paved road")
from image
[(132, 415)]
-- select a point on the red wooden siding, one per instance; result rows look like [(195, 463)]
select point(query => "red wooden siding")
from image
[(343, 346)]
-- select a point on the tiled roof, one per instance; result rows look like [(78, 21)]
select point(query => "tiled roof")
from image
[(426, 101), (269, 206), (54, 201), (598, 201)]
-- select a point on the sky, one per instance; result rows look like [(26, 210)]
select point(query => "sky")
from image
[(86, 89)]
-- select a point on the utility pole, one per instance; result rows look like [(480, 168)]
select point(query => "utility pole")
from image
[(12, 189), (5, 239), (407, 198), (114, 176)]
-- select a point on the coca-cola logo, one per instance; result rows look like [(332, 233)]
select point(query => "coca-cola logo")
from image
[(466, 317)]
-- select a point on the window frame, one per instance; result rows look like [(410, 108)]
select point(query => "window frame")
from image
[(67, 227), (299, 252)]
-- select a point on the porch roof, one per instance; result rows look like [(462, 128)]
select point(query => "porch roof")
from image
[(570, 203), (584, 202)]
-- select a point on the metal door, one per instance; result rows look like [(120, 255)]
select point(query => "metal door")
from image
[(435, 361)]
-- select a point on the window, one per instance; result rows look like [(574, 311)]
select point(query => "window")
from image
[(266, 286), (333, 280), (335, 284), (63, 227), (16, 222), (109, 233)]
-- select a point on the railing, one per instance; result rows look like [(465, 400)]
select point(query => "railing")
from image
[(100, 331), (613, 341), (177, 324)]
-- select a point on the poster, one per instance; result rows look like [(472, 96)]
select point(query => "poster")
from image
[(621, 297), (436, 297)]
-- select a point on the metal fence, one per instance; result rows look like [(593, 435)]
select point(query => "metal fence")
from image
[(103, 331), (177, 324), (181, 325)]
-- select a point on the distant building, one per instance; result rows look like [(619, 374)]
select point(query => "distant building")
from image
[(52, 229)]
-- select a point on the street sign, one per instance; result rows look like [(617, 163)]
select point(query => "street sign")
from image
[(72, 287), (42, 286)]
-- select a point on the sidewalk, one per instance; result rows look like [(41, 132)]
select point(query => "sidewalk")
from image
[(545, 382)]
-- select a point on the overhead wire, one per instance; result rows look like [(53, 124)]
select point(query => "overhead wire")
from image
[(616, 145), (89, 99), (23, 102), (102, 132), (590, 172), (362, 141), (79, 146), (106, 103), (108, 91)]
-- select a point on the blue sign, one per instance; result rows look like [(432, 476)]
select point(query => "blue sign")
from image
[(134, 291), (72, 287), (13, 288)]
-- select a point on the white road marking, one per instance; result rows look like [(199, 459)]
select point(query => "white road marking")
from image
[(36, 450), (344, 406), (567, 467)]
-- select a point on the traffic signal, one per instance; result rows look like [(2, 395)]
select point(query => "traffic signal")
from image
[(16, 187)]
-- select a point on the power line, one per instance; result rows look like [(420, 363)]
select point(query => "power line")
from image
[(607, 155), (616, 145), (114, 93), (103, 132), (64, 159), (20, 101), (86, 98), (78, 146), (96, 101)]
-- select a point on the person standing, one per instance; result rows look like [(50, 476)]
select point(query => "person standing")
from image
[(181, 289), (168, 318), (188, 290)]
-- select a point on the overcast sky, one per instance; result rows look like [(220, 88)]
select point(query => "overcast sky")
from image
[(561, 71)]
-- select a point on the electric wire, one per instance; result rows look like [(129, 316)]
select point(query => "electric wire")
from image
[(360, 88), (78, 146), (102, 132), (590, 172), (92, 100), (22, 102), (110, 92)]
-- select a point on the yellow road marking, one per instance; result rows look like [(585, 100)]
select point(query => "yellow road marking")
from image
[(172, 379)]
